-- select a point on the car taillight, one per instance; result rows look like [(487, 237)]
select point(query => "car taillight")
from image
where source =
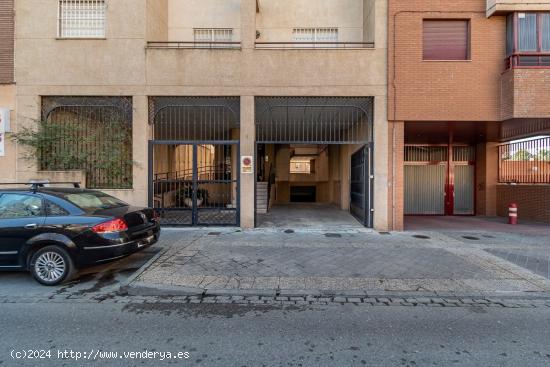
[(115, 225)]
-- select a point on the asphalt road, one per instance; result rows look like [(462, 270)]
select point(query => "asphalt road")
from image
[(232, 335)]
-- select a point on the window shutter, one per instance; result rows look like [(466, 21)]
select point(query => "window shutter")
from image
[(446, 39), (7, 35)]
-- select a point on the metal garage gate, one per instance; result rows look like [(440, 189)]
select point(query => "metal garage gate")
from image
[(439, 180), (193, 161), (325, 121)]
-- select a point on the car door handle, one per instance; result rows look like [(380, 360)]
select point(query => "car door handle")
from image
[(31, 226)]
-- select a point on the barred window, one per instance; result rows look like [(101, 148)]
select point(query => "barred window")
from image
[(315, 35), (82, 18), (210, 37), (92, 134)]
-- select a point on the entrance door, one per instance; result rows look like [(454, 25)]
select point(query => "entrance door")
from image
[(194, 183), (439, 180), (360, 188)]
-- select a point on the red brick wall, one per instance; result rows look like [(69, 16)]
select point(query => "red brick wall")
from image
[(525, 93), (533, 201), (444, 90), (6, 42)]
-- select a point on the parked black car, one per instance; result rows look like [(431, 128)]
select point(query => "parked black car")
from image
[(54, 231)]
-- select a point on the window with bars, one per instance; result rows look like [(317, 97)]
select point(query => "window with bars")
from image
[(213, 37), (81, 18), (315, 35)]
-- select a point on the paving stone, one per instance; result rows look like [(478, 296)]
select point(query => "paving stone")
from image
[(340, 299), (354, 300)]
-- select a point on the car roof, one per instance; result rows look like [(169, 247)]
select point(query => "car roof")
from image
[(55, 191)]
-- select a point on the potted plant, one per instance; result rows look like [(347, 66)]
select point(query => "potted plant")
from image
[(185, 196)]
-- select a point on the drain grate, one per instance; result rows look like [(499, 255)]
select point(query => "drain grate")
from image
[(333, 235), (421, 236), (471, 238), (214, 233), (384, 233), (289, 231)]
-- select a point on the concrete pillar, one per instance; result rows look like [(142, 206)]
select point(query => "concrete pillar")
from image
[(28, 114), (248, 24), (381, 160), (248, 148), (396, 197), (487, 178), (140, 138)]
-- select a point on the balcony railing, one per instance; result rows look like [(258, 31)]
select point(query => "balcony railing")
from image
[(313, 45), (194, 45), (528, 60)]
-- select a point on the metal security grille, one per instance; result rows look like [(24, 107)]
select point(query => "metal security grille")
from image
[(81, 18), (193, 160), (281, 120), (93, 134), (360, 190), (525, 161), (213, 37), (309, 37)]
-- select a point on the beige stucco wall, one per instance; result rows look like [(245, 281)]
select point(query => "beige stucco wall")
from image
[(277, 19), (122, 65), (8, 162), (185, 15)]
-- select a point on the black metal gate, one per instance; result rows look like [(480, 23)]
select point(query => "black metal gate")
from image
[(360, 185), (193, 163)]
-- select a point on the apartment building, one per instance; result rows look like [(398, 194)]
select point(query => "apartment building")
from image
[(467, 81), (213, 111)]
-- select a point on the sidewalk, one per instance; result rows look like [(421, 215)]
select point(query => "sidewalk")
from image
[(350, 262)]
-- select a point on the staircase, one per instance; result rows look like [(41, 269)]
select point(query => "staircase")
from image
[(261, 197)]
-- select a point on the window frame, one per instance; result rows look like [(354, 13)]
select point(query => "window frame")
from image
[(60, 35), (514, 54), (468, 39)]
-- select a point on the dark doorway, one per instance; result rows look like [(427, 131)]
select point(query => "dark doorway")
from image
[(303, 194)]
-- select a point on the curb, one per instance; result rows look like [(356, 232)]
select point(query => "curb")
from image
[(124, 286), (148, 289)]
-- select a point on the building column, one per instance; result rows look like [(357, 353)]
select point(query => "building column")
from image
[(248, 148), (487, 179), (248, 24), (140, 156), (381, 159), (396, 197)]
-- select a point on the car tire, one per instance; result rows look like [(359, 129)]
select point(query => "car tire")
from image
[(52, 265)]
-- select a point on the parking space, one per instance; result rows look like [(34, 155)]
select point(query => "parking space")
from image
[(94, 282)]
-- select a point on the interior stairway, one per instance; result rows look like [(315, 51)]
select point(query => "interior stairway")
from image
[(261, 197)]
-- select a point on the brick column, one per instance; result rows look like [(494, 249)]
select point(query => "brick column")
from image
[(396, 195), (248, 148)]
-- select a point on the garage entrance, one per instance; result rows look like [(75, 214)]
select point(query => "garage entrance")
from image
[(313, 154), (193, 177), (439, 180)]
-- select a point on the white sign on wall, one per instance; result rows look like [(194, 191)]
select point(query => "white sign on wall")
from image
[(4, 126)]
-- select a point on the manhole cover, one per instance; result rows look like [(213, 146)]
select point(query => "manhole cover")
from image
[(384, 233), (289, 231), (333, 235), (421, 236), (471, 238), (214, 233)]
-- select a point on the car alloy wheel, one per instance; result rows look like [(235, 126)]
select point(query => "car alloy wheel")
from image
[(50, 267)]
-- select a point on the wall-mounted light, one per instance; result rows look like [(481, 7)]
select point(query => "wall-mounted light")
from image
[(258, 34)]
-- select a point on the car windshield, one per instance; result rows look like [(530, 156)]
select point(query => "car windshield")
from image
[(91, 200)]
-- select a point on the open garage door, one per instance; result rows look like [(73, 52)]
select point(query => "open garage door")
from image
[(315, 150)]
